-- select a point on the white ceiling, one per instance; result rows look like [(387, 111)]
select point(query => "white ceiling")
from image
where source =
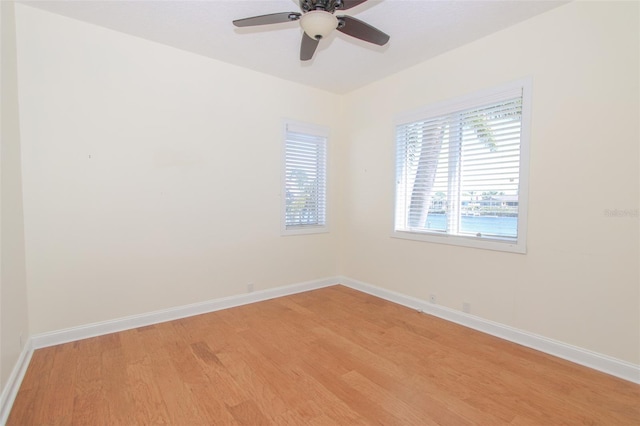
[(419, 30)]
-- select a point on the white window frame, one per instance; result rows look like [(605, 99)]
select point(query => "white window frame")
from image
[(459, 104), (314, 131)]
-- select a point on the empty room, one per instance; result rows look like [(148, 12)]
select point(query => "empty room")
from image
[(323, 212)]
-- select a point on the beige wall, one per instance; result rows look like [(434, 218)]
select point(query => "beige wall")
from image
[(13, 285), (151, 178), (152, 175), (579, 281)]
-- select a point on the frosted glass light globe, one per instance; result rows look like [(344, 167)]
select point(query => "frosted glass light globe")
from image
[(318, 24)]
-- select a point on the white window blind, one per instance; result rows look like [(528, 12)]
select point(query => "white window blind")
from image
[(305, 179), (459, 174)]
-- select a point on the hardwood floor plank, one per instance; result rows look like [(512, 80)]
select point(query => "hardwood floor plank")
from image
[(58, 408), (355, 400), (333, 356), (116, 393), (247, 413), (87, 407), (385, 399), (149, 404)]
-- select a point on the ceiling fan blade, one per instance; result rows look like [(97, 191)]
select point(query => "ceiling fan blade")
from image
[(348, 4), (358, 29), (273, 18), (307, 47)]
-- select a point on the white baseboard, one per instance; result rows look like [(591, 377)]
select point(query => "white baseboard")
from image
[(606, 364), (120, 324), (15, 380)]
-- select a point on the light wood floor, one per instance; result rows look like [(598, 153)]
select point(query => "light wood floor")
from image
[(332, 356)]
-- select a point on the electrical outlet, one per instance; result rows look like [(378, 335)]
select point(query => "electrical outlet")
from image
[(249, 287), (466, 307), (432, 298)]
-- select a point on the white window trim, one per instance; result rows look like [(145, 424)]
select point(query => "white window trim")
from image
[(311, 129), (467, 101)]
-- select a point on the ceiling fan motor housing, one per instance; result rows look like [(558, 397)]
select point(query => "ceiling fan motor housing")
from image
[(326, 5)]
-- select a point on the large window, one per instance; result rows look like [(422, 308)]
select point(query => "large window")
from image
[(461, 171), (305, 179)]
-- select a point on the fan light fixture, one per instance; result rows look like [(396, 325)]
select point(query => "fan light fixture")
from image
[(318, 24)]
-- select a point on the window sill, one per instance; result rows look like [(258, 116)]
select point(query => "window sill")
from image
[(304, 230), (456, 240)]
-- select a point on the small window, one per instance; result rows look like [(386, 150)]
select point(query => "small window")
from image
[(461, 171), (305, 179)]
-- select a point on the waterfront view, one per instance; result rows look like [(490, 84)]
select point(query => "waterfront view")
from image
[(500, 226)]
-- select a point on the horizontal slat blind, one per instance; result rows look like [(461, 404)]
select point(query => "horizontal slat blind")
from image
[(305, 180), (458, 173)]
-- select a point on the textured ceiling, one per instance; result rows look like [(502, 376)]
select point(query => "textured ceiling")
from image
[(419, 30)]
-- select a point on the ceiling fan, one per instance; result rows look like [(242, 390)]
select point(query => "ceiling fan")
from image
[(317, 20)]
